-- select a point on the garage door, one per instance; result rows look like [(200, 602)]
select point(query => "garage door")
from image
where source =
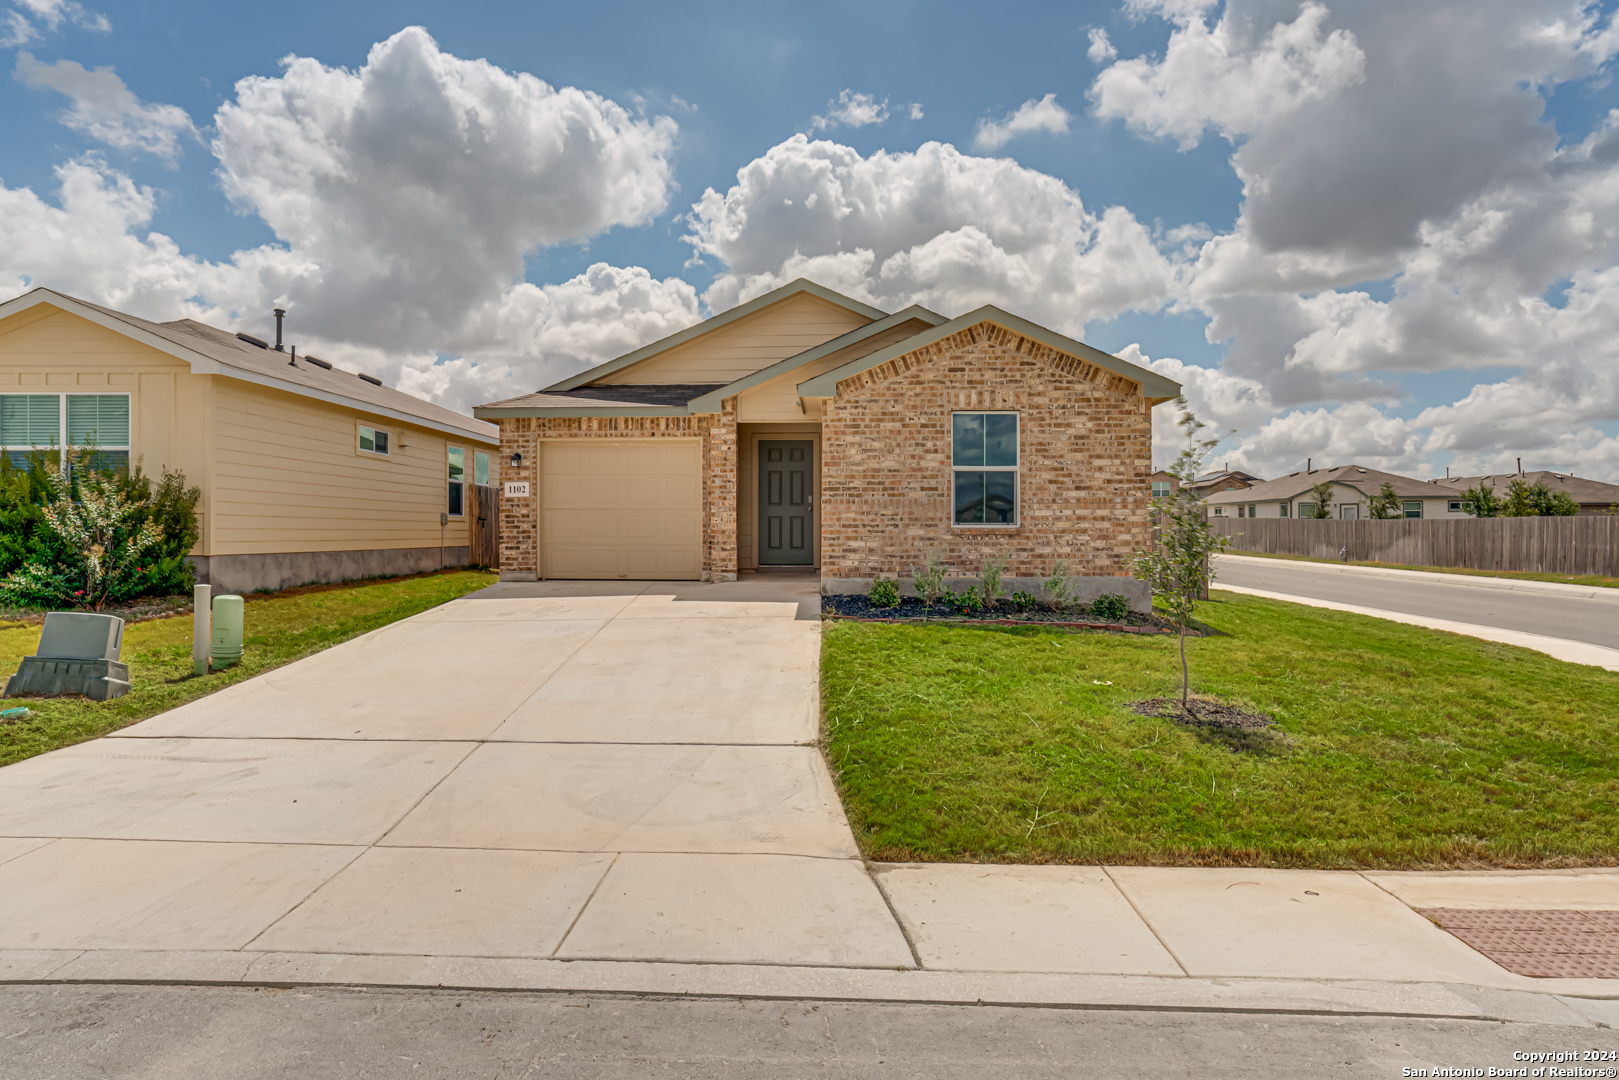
[(622, 508)]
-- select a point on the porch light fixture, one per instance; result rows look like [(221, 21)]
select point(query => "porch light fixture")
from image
[(517, 459)]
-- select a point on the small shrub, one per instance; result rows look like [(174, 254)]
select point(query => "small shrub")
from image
[(1060, 586), (1024, 601), (994, 570), (1111, 606), (930, 578), (884, 592), (969, 602)]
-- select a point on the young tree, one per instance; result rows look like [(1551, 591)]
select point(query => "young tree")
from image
[(1322, 494), (1481, 502), (1385, 505), (1177, 569), (1537, 500)]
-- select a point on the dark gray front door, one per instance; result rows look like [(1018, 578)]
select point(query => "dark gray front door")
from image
[(786, 502)]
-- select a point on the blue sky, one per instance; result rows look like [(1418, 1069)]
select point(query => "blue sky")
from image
[(1370, 290)]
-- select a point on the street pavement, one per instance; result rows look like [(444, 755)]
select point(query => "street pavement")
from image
[(204, 1033), (1586, 615), (615, 788)]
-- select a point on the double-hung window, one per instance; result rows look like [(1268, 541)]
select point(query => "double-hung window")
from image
[(458, 478), (1161, 489), (30, 422), (1413, 509), (984, 467), (480, 467)]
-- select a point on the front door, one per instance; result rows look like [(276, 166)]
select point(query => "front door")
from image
[(786, 502)]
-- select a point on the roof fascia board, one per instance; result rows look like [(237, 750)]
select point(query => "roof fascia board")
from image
[(207, 365), (484, 412), (1152, 384), (710, 402), (709, 325)]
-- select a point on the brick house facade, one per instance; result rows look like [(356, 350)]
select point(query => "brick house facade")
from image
[(1085, 451), (882, 394)]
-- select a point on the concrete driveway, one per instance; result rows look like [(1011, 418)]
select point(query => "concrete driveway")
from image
[(571, 770)]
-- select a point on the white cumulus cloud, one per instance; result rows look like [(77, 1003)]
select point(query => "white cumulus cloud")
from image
[(1101, 49), (1224, 78), (1036, 114), (855, 110), (934, 226), (21, 27), (105, 109)]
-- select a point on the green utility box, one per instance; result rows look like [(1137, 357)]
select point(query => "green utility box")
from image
[(225, 639)]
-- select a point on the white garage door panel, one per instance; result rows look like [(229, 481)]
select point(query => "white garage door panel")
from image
[(622, 509)]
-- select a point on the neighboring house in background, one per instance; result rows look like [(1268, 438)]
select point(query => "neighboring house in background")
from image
[(804, 428), (1163, 484), (1594, 496), (307, 472), (1353, 486), (1222, 480)]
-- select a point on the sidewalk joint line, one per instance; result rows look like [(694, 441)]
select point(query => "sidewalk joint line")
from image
[(1128, 899), (563, 940), (893, 912)]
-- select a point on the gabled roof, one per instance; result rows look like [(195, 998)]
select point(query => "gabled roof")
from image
[(209, 350), (1366, 481), (710, 402), (1154, 387), (1585, 491), (708, 326)]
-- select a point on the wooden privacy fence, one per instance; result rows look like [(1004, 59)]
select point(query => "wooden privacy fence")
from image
[(1541, 545), (485, 526)]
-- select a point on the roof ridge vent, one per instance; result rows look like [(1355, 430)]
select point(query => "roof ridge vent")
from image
[(318, 362), (372, 379), (251, 340)]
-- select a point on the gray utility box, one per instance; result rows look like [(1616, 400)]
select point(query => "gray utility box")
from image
[(78, 654)]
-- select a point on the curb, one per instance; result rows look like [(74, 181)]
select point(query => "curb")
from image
[(1475, 581)]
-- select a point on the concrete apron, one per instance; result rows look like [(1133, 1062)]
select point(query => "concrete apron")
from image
[(615, 787)]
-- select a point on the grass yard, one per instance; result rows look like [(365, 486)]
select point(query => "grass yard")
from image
[(277, 630), (1593, 580), (1395, 746)]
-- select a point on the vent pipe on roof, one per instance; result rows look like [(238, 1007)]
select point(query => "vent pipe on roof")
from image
[(294, 361), (1307, 464), (1520, 466), (280, 313)]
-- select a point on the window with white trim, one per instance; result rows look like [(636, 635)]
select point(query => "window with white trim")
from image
[(457, 467), (1413, 509), (373, 441), (984, 468), (1161, 489), (1283, 507), (480, 467), (55, 422)]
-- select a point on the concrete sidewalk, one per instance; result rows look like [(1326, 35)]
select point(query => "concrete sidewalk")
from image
[(616, 787)]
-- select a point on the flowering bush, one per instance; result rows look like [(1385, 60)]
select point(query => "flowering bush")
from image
[(101, 548)]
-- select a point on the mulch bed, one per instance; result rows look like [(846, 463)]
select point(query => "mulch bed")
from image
[(1551, 944), (1202, 712), (915, 609)]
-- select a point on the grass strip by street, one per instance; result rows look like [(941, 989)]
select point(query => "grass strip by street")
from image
[(1593, 580), (1394, 746), (278, 630)]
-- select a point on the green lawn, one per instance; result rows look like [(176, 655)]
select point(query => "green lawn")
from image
[(277, 630), (1395, 746), (1517, 575)]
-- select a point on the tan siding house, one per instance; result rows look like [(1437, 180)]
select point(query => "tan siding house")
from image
[(308, 472), (806, 430)]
